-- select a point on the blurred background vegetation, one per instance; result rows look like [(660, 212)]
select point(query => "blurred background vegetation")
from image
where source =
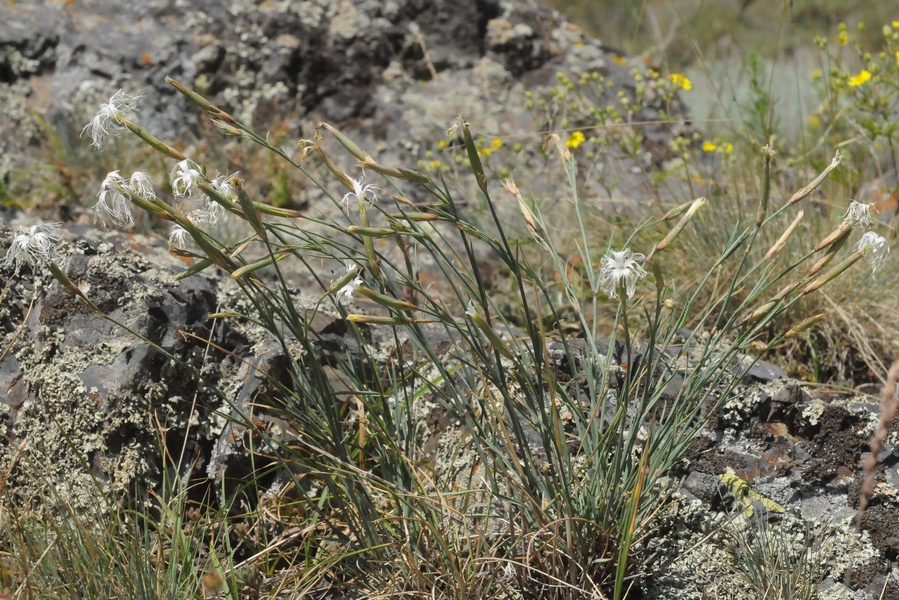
[(808, 77), (717, 42)]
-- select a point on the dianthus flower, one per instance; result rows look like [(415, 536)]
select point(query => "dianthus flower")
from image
[(222, 184), (622, 266), (875, 247), (348, 289), (111, 202), (177, 237), (859, 214), (212, 212), (108, 120), (360, 189), (141, 184), (35, 247), (184, 178)]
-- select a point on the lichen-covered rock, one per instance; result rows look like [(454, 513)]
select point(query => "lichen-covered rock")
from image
[(392, 74), (90, 399)]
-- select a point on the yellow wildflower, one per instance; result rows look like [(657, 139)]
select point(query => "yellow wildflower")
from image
[(814, 121), (857, 80), (496, 143), (486, 151), (727, 147), (897, 56), (708, 146), (575, 139), (817, 74), (843, 38), (680, 81), (435, 164), (443, 144), (895, 23)]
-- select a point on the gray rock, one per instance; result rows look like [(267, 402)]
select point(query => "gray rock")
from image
[(83, 390), (762, 371), (703, 486), (392, 74)]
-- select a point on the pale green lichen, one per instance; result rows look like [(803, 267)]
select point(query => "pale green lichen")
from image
[(310, 13), (347, 20), (702, 554), (740, 404), (840, 592), (691, 562), (17, 115), (849, 548), (69, 428), (867, 413), (812, 413), (196, 19)]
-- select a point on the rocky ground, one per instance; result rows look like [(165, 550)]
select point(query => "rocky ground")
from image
[(393, 75), (86, 399)]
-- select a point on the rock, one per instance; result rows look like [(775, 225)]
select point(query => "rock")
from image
[(86, 391), (394, 75), (883, 193), (704, 486), (12, 383), (763, 371)]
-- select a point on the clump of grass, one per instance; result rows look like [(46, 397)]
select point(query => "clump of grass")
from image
[(50, 550), (568, 437), (777, 562), (854, 98), (847, 349)]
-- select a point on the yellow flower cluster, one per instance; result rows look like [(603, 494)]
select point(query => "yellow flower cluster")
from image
[(681, 81), (495, 144), (862, 77), (575, 139), (725, 148)]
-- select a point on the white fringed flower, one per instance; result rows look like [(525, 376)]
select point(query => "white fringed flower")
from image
[(348, 289), (859, 214), (222, 184), (108, 120), (875, 247), (213, 212), (360, 190), (141, 184), (35, 247), (178, 237), (209, 215), (184, 178), (111, 202), (622, 266), (112, 199)]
